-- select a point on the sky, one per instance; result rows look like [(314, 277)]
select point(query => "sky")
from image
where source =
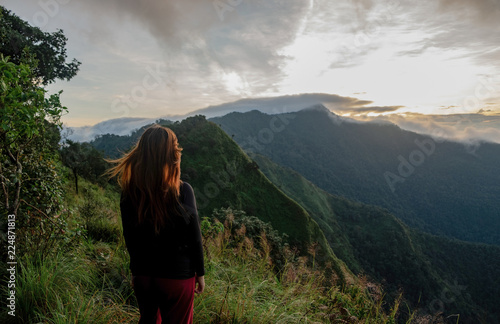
[(397, 60)]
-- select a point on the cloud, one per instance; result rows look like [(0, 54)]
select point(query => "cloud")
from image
[(291, 103), (467, 28), (270, 105), (209, 53), (485, 12), (470, 26), (117, 126), (467, 128), (212, 55), (282, 104), (204, 40), (367, 109)]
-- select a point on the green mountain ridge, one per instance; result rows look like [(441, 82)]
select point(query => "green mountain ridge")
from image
[(222, 176)]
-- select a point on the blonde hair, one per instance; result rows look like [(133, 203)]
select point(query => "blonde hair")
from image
[(150, 175)]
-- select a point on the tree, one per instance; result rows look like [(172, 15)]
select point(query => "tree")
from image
[(18, 39), (72, 157), (84, 160), (27, 123), (30, 186)]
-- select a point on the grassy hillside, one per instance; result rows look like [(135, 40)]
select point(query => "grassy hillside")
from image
[(437, 274), (440, 187), (85, 277)]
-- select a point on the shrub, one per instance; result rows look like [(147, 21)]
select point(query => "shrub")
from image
[(267, 240)]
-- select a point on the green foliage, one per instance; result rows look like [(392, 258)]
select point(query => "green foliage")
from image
[(23, 103), (19, 40), (243, 226), (29, 132), (99, 218), (41, 283), (210, 229), (89, 282), (242, 288), (73, 288), (84, 160)]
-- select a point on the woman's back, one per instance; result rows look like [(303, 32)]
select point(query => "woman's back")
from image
[(176, 251)]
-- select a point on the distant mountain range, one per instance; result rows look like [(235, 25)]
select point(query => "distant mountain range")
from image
[(463, 127), (441, 187), (124, 126)]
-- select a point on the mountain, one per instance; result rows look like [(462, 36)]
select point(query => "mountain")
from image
[(435, 273), (441, 187), (223, 176)]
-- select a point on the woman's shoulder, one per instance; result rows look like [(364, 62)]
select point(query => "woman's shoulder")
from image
[(186, 188), (186, 191), (185, 184), (187, 195)]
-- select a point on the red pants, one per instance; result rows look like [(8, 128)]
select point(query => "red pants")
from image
[(172, 298)]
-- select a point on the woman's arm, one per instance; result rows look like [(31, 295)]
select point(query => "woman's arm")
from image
[(200, 284), (189, 203)]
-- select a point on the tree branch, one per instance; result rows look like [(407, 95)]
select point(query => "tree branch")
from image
[(4, 188), (41, 212), (17, 193)]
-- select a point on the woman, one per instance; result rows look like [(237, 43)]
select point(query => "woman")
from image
[(161, 228)]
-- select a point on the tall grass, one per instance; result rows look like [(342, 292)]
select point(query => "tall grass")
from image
[(91, 282), (67, 289), (243, 288)]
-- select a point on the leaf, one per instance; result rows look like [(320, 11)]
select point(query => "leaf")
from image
[(8, 74)]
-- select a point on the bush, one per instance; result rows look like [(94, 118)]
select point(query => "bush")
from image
[(266, 238)]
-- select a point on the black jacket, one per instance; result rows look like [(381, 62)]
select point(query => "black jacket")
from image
[(176, 252)]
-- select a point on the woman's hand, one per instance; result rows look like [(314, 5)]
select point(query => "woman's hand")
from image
[(199, 284)]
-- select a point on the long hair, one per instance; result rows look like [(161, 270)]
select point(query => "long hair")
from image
[(150, 175)]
